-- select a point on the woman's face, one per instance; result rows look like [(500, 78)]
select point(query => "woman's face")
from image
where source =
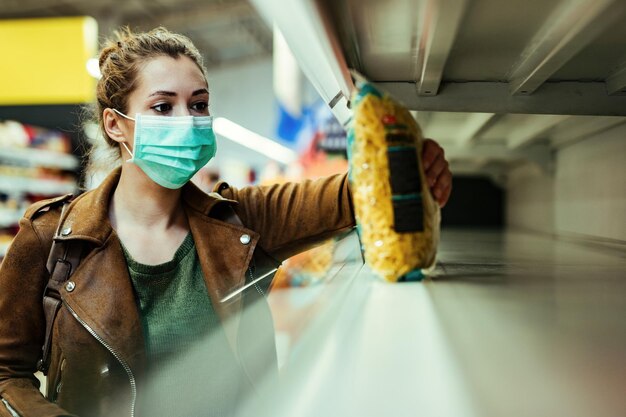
[(167, 87)]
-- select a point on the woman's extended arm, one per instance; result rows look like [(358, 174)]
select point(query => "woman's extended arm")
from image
[(293, 217)]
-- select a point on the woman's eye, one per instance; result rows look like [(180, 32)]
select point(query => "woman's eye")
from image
[(200, 106), (162, 108)]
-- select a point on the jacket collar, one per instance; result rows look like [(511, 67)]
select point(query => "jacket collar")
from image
[(87, 217)]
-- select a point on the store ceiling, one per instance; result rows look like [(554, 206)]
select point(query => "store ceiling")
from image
[(542, 73), (497, 82), (488, 78), (225, 31)]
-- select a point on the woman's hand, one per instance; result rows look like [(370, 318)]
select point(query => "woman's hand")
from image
[(437, 171)]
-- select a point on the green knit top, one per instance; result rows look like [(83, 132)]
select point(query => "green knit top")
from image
[(191, 368)]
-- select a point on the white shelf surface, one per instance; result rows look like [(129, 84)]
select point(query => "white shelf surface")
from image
[(14, 185), (3, 249), (39, 158), (511, 325), (10, 217)]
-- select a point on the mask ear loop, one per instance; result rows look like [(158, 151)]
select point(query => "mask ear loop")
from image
[(132, 155), (122, 114)]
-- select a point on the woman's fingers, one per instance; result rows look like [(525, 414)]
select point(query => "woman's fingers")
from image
[(443, 187), (437, 171), (430, 151)]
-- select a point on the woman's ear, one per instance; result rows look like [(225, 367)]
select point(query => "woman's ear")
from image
[(114, 126)]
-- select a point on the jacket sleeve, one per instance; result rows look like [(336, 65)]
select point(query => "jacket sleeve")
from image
[(23, 276), (294, 217)]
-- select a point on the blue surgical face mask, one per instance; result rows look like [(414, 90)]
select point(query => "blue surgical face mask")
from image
[(170, 150)]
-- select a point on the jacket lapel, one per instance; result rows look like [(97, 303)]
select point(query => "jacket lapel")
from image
[(224, 274), (103, 299), (235, 244)]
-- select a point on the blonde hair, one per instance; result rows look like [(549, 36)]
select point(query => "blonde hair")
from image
[(121, 59)]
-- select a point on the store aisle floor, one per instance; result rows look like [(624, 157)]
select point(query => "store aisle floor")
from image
[(512, 324)]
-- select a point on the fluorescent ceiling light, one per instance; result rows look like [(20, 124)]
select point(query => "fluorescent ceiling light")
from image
[(315, 48), (249, 139), (93, 68)]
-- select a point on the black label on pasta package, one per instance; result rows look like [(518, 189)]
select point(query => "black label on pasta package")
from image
[(404, 174), (408, 215), (400, 138)]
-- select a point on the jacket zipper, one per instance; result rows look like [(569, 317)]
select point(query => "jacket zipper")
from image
[(58, 384), (129, 372), (10, 409)]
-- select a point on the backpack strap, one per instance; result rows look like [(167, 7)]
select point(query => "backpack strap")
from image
[(63, 260)]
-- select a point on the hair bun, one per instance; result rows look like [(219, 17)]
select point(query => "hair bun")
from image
[(105, 53)]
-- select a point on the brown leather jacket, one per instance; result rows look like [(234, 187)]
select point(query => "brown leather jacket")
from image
[(98, 352)]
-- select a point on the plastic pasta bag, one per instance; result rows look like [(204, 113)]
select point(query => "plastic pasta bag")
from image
[(397, 217)]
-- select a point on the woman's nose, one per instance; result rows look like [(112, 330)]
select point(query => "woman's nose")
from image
[(182, 111)]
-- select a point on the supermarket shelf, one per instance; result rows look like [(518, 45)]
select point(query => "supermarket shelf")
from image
[(39, 158), (3, 249), (10, 217), (510, 324), (14, 185)]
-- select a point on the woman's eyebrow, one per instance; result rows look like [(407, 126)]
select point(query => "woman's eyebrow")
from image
[(163, 93), (173, 94), (200, 91)]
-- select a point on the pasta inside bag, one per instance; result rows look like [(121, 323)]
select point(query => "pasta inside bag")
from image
[(397, 217)]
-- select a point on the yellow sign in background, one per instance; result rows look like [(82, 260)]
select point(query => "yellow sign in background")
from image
[(44, 61)]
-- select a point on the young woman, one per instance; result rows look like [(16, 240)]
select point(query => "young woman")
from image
[(162, 264)]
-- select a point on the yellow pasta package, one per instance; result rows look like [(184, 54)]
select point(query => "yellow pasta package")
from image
[(397, 217)]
